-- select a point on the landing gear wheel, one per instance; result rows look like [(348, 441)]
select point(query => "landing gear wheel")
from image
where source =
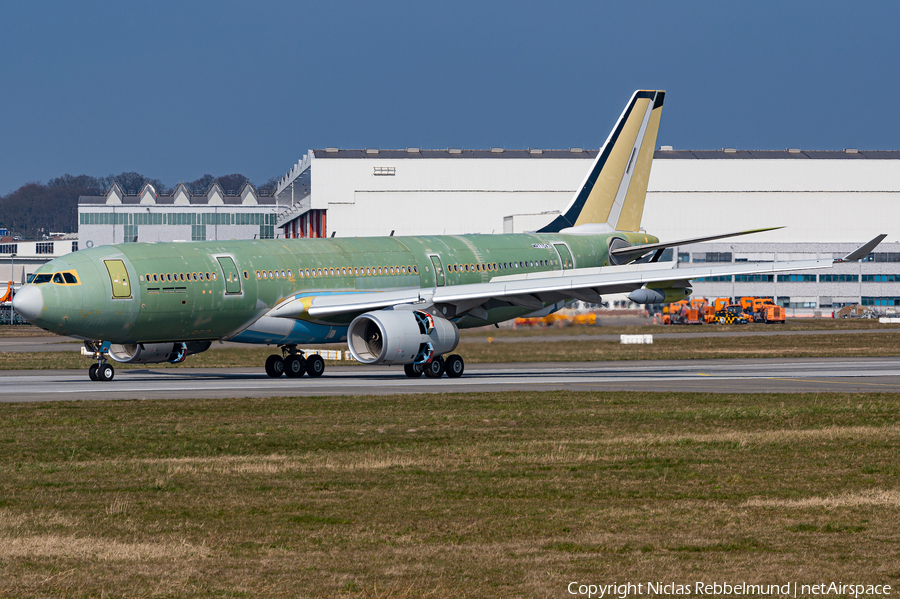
[(454, 366), (274, 366), (294, 366), (106, 372), (92, 373), (315, 366), (413, 371), (435, 368)]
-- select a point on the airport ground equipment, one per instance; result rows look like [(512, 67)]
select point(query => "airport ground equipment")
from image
[(732, 314)]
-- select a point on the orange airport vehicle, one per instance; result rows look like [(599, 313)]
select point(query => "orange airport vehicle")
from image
[(671, 312), (683, 312), (558, 319), (765, 310), (9, 293)]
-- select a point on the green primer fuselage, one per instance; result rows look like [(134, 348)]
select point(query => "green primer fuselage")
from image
[(215, 306)]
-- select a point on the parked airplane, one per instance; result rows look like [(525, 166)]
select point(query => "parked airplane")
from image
[(393, 300)]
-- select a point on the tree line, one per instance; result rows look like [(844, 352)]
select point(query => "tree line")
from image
[(35, 209)]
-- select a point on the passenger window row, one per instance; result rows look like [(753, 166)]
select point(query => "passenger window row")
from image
[(180, 276), (497, 266), (365, 271), (353, 271)]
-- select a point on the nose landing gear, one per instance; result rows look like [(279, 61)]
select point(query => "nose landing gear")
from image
[(294, 364), (102, 370)]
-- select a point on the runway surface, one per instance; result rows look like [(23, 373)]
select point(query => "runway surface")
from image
[(852, 375)]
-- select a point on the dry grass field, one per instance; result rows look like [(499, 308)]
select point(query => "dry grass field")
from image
[(478, 495), (23, 330), (611, 326)]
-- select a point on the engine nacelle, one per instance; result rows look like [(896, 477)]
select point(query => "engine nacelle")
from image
[(659, 296), (154, 353), (400, 337)]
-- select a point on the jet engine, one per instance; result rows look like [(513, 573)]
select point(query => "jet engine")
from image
[(400, 337), (154, 353), (666, 295)]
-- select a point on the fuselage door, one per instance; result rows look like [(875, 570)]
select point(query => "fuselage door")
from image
[(230, 275), (565, 256), (118, 277), (438, 271)]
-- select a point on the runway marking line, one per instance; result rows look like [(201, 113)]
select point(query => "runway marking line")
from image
[(831, 380)]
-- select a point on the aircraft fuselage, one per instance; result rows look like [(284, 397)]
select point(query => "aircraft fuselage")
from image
[(156, 292)]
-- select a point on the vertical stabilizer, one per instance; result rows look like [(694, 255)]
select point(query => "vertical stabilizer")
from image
[(612, 195)]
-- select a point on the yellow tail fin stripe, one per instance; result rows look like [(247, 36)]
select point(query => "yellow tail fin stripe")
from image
[(600, 201), (633, 210)]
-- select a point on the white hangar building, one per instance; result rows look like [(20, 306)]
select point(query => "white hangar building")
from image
[(119, 218), (828, 201)]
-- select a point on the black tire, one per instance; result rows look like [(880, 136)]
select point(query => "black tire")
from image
[(274, 366), (413, 371), (92, 372), (454, 366), (294, 366), (315, 366), (106, 372), (435, 368)]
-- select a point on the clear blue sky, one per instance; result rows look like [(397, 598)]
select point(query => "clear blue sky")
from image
[(178, 89)]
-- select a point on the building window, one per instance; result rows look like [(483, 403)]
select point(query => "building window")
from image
[(43, 247), (385, 171), (713, 257), (9, 248), (754, 278), (796, 278), (880, 278), (198, 232), (882, 257), (684, 257), (266, 232), (841, 278), (74, 246), (131, 233), (719, 279), (880, 301), (787, 303)]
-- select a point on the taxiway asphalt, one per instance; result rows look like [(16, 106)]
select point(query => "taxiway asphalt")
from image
[(851, 375)]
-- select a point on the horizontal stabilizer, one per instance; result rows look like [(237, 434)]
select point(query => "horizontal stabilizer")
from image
[(862, 252), (640, 250)]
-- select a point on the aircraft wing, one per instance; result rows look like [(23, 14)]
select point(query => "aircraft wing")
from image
[(536, 290), (531, 290)]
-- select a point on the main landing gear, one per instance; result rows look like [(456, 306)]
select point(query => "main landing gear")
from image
[(293, 364), (453, 366), (102, 370)]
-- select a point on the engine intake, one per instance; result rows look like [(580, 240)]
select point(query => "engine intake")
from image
[(154, 353), (400, 337)]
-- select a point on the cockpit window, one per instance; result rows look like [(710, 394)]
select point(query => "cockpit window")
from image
[(70, 278), (44, 278), (57, 278)]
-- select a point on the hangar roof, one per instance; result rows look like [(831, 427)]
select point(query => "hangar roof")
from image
[(791, 154), (723, 154), (454, 153)]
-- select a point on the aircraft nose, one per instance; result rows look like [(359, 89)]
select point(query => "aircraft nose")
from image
[(28, 302)]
